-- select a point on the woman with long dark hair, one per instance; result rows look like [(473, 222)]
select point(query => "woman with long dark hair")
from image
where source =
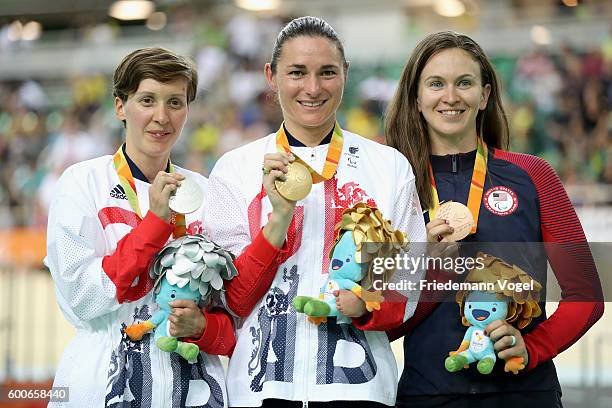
[(447, 118)]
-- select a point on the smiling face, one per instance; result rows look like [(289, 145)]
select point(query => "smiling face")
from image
[(154, 115), (481, 308), (450, 95), (309, 81)]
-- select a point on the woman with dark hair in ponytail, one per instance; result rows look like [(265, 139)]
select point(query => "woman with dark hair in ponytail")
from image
[(447, 118), (281, 358)]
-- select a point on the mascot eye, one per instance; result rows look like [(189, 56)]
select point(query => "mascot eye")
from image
[(494, 310), (172, 294), (348, 259), (469, 306)]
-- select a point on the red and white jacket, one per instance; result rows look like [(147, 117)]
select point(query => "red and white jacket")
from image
[(98, 252), (279, 354)]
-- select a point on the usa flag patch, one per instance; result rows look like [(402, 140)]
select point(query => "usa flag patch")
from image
[(500, 200)]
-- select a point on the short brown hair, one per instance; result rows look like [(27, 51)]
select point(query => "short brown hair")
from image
[(405, 126), (155, 63)]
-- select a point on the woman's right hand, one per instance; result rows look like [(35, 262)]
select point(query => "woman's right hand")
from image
[(275, 165), (437, 230), (160, 191), (438, 245)]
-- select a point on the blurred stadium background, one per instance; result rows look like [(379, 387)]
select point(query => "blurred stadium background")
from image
[(56, 59)]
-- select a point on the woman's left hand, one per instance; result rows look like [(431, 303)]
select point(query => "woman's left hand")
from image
[(186, 320), (508, 340), (349, 304)]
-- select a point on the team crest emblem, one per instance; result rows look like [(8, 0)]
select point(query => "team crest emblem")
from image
[(501, 200)]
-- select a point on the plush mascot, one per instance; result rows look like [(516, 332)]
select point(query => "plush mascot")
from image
[(500, 301), (192, 268), (361, 236)]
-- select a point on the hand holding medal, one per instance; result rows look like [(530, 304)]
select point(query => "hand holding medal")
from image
[(187, 198), (275, 168), (458, 217), (162, 188), (463, 220), (297, 183)]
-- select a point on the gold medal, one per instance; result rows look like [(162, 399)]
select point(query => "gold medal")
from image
[(459, 217), (298, 182)]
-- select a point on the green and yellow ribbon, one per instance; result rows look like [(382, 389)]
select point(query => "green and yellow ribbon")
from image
[(127, 182), (476, 186), (331, 160)]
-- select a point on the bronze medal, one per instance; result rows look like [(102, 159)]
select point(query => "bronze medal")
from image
[(298, 182), (459, 217)]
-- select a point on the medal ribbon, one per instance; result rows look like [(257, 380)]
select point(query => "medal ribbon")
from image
[(127, 182), (476, 185), (331, 160)]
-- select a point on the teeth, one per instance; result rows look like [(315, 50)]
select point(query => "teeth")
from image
[(312, 104), (450, 112)]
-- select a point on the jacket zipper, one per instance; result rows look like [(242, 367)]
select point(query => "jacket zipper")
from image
[(162, 356), (454, 161), (308, 324)]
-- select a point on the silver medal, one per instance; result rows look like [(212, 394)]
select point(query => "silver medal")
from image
[(187, 198)]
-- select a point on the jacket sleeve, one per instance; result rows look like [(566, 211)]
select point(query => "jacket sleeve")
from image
[(91, 281), (398, 307), (569, 255), (218, 336), (257, 260), (257, 266)]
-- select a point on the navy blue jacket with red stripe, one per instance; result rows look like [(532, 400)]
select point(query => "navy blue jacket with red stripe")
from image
[(543, 214)]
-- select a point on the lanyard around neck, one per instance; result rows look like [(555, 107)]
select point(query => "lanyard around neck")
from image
[(331, 160), (476, 185), (127, 182)]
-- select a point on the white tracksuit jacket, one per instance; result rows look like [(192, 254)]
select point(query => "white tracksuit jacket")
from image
[(279, 354), (101, 366)]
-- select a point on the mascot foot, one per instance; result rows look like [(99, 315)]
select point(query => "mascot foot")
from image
[(299, 302), (317, 308), (514, 364), (188, 351), (372, 306), (455, 363), (317, 320), (167, 343), (136, 331), (485, 366)]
